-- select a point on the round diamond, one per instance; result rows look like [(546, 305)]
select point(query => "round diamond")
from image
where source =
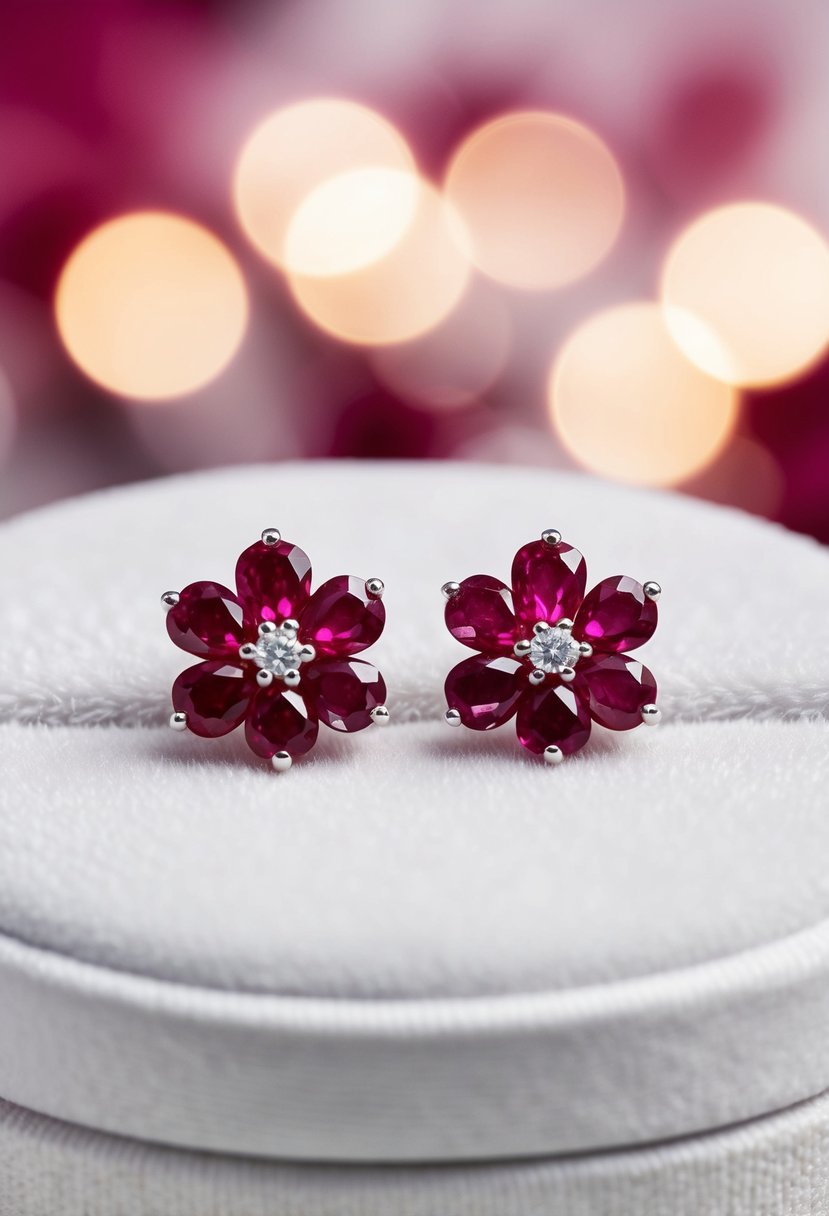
[(552, 648), (278, 652)]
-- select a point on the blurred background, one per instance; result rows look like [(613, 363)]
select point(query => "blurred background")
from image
[(586, 235)]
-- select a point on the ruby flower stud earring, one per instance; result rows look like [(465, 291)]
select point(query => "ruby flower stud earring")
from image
[(276, 657), (549, 655)]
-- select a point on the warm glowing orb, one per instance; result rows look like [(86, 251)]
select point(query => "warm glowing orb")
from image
[(542, 198), (746, 293), (291, 154), (151, 305), (629, 405)]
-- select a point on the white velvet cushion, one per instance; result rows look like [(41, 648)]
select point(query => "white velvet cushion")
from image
[(420, 943)]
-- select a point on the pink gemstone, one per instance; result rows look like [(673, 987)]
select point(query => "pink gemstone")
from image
[(344, 692), (341, 617), (615, 687), (480, 615), (273, 582), (207, 620), (553, 715), (281, 721), (215, 696), (616, 615), (548, 581), (485, 691)]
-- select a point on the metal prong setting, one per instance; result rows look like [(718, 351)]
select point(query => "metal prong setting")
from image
[(307, 654), (522, 649), (651, 715), (564, 623), (375, 588), (652, 590), (536, 676), (267, 627), (585, 650), (380, 715), (291, 625), (567, 674), (264, 678), (281, 761), (271, 536), (450, 589), (553, 754), (169, 600), (452, 717), (247, 651), (540, 627), (291, 679), (551, 537), (178, 721)]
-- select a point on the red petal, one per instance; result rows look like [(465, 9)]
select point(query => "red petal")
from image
[(341, 617), (344, 692), (616, 615), (281, 721), (207, 620), (548, 581), (485, 691), (615, 688), (553, 715), (215, 696), (480, 615), (273, 582)]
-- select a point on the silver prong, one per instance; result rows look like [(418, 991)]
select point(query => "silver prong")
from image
[(450, 589), (652, 590), (281, 761), (551, 537), (264, 678), (271, 536), (540, 627), (536, 676), (567, 674), (169, 600), (247, 650), (380, 715), (178, 721), (307, 654), (553, 754), (651, 715), (452, 717), (522, 649), (291, 678), (564, 623), (375, 588), (585, 650), (267, 627), (291, 625)]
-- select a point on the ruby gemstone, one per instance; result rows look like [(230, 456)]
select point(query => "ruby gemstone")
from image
[(215, 696), (553, 715), (548, 581), (616, 615), (207, 620), (341, 618), (615, 687), (280, 722), (480, 614), (485, 691), (344, 692), (273, 582)]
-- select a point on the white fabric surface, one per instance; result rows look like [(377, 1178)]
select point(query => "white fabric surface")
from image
[(420, 944)]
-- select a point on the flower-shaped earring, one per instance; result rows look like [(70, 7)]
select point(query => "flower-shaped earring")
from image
[(274, 656), (548, 654)]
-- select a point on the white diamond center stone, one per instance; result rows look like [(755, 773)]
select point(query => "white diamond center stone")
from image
[(278, 652), (553, 648)]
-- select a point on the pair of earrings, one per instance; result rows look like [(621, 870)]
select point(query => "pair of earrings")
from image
[(280, 658)]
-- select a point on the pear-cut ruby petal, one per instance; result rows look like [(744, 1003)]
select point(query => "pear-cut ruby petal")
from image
[(615, 687), (616, 615), (207, 620), (341, 618), (280, 722), (273, 582), (485, 691), (548, 581), (344, 692), (215, 696), (553, 715), (480, 615)]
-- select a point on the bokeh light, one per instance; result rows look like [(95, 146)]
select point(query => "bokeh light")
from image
[(297, 150), (629, 405), (746, 293), (151, 305), (542, 197), (399, 296)]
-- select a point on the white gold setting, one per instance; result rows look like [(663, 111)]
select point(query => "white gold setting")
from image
[(553, 649), (278, 653)]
